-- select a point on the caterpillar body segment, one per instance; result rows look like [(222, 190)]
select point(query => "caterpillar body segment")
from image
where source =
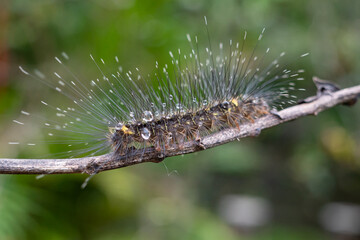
[(166, 133)]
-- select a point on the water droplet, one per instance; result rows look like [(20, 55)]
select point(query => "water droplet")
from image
[(132, 114), (118, 126), (171, 97), (145, 133), (178, 106), (205, 102), (225, 105), (169, 136), (147, 116)]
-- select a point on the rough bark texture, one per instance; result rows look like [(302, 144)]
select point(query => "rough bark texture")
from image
[(97, 164)]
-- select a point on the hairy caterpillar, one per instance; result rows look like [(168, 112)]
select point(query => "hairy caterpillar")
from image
[(194, 96)]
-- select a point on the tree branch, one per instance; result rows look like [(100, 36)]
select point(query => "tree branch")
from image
[(92, 165)]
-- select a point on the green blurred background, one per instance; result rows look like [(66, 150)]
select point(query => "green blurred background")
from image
[(300, 180)]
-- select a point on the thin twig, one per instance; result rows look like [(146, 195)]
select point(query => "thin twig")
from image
[(109, 161)]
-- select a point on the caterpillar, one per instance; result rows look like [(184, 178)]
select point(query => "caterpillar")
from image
[(194, 96)]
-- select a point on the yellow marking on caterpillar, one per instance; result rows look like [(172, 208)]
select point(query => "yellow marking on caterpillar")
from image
[(235, 102), (126, 130)]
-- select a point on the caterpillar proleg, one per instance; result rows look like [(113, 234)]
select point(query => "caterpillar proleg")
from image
[(198, 93)]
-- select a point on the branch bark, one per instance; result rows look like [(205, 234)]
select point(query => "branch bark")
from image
[(92, 165)]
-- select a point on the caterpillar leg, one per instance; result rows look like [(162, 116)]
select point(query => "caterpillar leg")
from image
[(275, 113), (199, 142)]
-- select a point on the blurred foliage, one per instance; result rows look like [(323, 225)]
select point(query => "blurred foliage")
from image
[(297, 167)]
